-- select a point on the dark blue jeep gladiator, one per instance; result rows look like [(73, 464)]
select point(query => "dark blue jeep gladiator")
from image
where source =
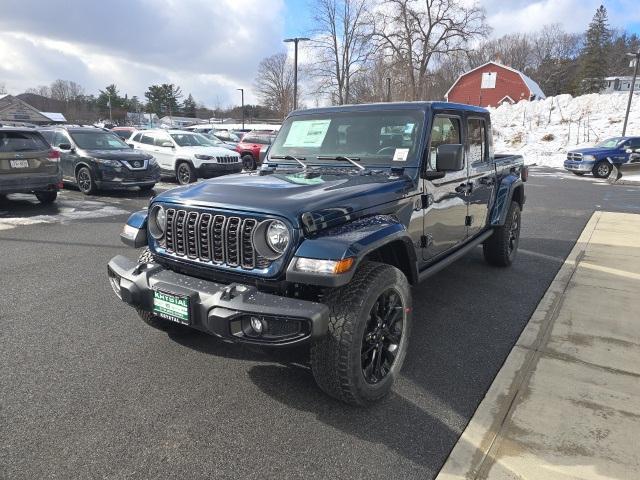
[(353, 205)]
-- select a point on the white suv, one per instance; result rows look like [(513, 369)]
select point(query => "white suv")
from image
[(186, 155)]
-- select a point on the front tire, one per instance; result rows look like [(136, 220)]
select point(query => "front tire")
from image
[(500, 248), (602, 169), (85, 181), (248, 162), (185, 174), (46, 198), (148, 317), (362, 353)]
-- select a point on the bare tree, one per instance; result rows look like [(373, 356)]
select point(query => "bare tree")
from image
[(42, 90), (416, 32), (274, 83), (514, 50), (342, 45), (66, 90)]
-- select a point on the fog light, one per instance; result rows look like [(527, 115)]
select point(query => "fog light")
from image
[(114, 281), (256, 324)]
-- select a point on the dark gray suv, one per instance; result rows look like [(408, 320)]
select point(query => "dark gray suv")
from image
[(28, 164)]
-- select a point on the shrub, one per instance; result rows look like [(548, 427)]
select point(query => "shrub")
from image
[(548, 137)]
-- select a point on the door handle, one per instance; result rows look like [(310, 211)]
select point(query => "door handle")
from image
[(464, 188)]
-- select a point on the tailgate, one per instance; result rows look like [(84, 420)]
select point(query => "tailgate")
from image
[(25, 152)]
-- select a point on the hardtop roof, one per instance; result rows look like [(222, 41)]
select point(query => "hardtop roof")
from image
[(391, 106)]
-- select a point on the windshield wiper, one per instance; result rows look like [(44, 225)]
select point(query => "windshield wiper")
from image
[(290, 157), (352, 160)]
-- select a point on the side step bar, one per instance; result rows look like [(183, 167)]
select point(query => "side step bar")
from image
[(462, 251)]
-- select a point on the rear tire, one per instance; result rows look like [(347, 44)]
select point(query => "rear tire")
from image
[(46, 198), (85, 181), (248, 162), (602, 169), (362, 352), (148, 317), (500, 248), (185, 174)]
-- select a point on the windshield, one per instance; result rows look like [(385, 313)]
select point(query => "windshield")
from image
[(610, 142), (377, 138), (98, 141), (191, 140)]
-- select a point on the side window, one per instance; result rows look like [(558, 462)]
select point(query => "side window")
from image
[(445, 131), (48, 136), (634, 143), (147, 139), (477, 133), (59, 138), (159, 139)]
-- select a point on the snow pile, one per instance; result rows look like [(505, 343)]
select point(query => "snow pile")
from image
[(544, 130)]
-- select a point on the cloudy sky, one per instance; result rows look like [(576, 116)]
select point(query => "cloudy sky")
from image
[(208, 47)]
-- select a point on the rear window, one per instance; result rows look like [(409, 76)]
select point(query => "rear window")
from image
[(21, 142)]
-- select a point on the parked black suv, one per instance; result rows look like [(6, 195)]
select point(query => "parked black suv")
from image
[(93, 159), (354, 205), (28, 164)]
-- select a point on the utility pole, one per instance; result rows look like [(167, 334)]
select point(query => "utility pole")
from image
[(242, 93), (636, 61), (295, 41), (388, 80), (109, 103)]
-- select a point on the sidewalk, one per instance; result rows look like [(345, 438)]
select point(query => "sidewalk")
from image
[(566, 403)]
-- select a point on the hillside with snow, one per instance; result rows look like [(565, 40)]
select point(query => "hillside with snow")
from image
[(544, 130)]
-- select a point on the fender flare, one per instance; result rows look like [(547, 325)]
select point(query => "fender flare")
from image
[(136, 235), (351, 240), (506, 190)]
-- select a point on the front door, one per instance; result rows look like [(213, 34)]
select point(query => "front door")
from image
[(67, 157), (481, 174), (446, 198)]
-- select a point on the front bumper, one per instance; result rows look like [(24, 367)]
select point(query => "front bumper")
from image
[(29, 182), (223, 310), (582, 166), (109, 177), (209, 170)]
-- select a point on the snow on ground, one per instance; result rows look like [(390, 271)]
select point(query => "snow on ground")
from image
[(544, 130)]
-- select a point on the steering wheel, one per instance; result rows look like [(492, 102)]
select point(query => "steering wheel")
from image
[(382, 150)]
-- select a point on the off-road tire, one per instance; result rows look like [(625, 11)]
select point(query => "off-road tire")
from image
[(336, 357), (46, 198), (248, 162), (602, 169), (148, 317), (85, 181), (185, 173), (499, 249)]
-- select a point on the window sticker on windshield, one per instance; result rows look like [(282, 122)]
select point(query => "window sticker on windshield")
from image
[(401, 155), (307, 133)]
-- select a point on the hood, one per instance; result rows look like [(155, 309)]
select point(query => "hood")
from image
[(325, 195), (211, 151), (126, 154), (593, 150)]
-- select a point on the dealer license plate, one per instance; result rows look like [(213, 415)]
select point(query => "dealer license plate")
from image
[(171, 307), (19, 163)]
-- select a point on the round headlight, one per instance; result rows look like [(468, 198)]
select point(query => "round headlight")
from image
[(157, 221), (277, 236)]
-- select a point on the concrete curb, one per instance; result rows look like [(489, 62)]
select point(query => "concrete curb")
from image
[(471, 457)]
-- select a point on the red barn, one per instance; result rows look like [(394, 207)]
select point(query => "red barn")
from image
[(492, 84)]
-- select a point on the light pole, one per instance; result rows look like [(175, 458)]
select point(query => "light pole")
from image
[(109, 103), (242, 92), (636, 57), (388, 81), (295, 41)]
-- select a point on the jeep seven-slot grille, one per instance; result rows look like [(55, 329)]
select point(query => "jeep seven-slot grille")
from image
[(221, 239)]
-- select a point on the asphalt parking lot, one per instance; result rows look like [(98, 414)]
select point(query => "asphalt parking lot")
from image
[(88, 391)]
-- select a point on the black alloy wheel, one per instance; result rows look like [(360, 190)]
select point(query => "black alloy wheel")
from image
[(382, 336), (85, 181), (185, 174), (514, 232)]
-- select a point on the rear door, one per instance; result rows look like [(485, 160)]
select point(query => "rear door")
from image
[(24, 152), (481, 172), (444, 217)]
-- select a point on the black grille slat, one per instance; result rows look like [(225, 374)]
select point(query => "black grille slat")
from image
[(213, 238)]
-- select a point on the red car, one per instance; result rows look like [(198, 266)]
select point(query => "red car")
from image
[(124, 132), (250, 145)]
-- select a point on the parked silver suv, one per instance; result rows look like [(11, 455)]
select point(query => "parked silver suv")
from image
[(28, 164)]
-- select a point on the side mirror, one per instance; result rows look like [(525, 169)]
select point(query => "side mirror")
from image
[(166, 144), (130, 145), (449, 158), (629, 150), (65, 146)]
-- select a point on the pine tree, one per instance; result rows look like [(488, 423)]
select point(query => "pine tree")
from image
[(189, 107), (595, 53)]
